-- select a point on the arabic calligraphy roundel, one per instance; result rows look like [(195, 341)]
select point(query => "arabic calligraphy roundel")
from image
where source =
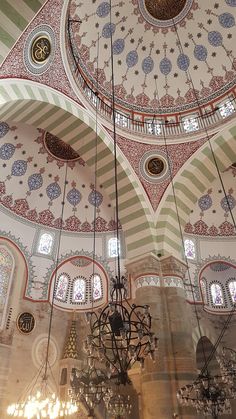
[(25, 323), (39, 49)]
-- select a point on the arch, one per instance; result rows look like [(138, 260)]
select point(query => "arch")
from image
[(203, 351), (79, 270), (41, 106), (205, 330), (7, 265), (190, 183), (15, 287)]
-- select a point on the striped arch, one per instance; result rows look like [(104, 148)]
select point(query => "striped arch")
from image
[(41, 106), (190, 183)]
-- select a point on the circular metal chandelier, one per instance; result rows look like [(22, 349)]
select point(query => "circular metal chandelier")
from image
[(209, 394), (121, 333), (118, 405), (88, 385)]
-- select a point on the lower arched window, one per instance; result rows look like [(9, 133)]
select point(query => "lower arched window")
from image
[(79, 290), (217, 295), (6, 273), (232, 290), (62, 287), (97, 287)]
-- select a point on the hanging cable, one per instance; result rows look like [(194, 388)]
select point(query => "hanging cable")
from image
[(115, 150)]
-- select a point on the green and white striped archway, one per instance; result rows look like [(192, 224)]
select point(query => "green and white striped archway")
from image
[(190, 183), (41, 106)]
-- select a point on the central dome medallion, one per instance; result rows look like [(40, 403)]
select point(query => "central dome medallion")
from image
[(164, 9)]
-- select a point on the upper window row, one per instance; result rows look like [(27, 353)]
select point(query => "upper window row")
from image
[(190, 123), (78, 289), (47, 239)]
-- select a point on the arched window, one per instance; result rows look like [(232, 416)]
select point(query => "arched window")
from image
[(203, 290), (62, 286), (189, 248), (113, 247), (97, 287), (79, 290), (45, 244), (6, 272), (217, 295), (232, 290)]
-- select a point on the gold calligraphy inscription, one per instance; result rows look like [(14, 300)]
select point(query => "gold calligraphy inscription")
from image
[(26, 323), (41, 49)]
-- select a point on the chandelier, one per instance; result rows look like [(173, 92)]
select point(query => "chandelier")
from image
[(118, 405), (88, 385), (209, 394), (42, 403), (121, 333)]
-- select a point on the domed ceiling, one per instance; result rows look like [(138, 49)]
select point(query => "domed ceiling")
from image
[(158, 47), (33, 168)]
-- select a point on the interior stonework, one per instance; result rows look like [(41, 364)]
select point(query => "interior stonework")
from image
[(175, 118)]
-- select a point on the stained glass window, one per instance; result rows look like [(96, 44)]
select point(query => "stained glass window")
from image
[(217, 295), (153, 128), (62, 286), (6, 270), (121, 120), (190, 124), (97, 287), (113, 247), (189, 248), (203, 289), (45, 244), (232, 290), (79, 289), (226, 109)]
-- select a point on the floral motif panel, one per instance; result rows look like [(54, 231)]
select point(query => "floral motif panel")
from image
[(97, 287), (217, 295), (62, 287), (79, 289)]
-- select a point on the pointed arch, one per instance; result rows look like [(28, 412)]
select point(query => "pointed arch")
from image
[(41, 106)]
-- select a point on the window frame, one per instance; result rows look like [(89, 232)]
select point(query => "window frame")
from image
[(9, 285)]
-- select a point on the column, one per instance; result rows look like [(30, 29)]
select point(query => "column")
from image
[(158, 282)]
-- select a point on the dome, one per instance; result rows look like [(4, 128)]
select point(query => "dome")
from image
[(168, 56)]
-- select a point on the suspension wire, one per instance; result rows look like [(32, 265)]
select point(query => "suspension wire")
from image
[(95, 179), (115, 151), (56, 272), (188, 74)]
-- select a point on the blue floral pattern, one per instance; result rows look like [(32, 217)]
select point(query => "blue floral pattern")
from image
[(19, 168), (53, 191), (4, 128), (6, 151), (74, 197), (35, 181)]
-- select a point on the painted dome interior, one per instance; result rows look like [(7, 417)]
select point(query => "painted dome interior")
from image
[(157, 60)]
